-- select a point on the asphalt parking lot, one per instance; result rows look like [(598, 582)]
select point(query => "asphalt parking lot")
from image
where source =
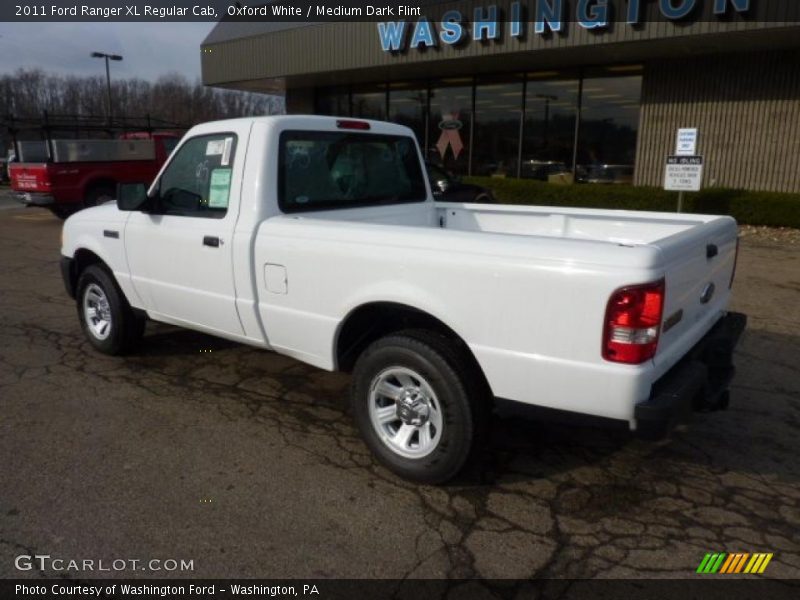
[(247, 463)]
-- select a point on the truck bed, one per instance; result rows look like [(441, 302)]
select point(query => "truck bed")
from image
[(555, 264), (617, 227)]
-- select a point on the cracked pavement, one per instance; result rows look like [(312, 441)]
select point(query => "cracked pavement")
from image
[(248, 463)]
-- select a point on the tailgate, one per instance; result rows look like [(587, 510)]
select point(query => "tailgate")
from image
[(699, 264), (30, 177)]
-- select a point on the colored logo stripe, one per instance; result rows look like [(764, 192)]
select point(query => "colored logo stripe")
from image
[(723, 563), (758, 563), (735, 563), (711, 563)]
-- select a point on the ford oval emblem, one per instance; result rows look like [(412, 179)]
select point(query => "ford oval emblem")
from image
[(708, 293), (451, 124)]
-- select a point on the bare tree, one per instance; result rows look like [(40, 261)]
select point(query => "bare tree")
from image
[(31, 92)]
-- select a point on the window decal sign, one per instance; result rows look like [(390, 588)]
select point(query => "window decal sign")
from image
[(214, 147), (451, 135), (219, 188), (226, 151)]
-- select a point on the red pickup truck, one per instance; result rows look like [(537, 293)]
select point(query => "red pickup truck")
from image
[(65, 176)]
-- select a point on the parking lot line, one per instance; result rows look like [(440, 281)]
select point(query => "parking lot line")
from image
[(34, 217)]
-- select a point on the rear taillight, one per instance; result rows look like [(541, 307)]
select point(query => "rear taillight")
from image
[(633, 322), (735, 262)]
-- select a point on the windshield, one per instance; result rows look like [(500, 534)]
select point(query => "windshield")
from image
[(325, 170)]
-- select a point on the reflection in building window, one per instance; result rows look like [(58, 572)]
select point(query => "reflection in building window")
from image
[(369, 102), (333, 101), (498, 108), (449, 134), (608, 131), (408, 105), (551, 107)]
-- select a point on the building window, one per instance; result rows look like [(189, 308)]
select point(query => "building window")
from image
[(504, 138), (498, 110), (333, 101), (551, 108), (450, 130), (408, 105), (609, 127), (369, 102)]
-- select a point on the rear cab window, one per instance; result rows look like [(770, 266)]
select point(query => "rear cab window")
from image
[(328, 170)]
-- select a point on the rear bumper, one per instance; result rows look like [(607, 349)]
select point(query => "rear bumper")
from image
[(698, 382), (35, 199)]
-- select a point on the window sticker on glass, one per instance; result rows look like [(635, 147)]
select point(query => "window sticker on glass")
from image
[(226, 151), (215, 147), (219, 188)]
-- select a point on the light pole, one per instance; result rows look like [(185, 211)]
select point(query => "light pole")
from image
[(107, 57)]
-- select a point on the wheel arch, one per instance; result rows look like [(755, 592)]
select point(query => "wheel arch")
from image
[(86, 255), (98, 180), (373, 320), (81, 259), (485, 197)]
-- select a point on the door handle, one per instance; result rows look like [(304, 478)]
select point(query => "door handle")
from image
[(212, 241)]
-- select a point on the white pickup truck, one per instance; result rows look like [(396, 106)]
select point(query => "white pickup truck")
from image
[(318, 238)]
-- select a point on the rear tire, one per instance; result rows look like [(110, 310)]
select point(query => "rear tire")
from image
[(484, 198), (98, 194), (419, 405), (107, 320)]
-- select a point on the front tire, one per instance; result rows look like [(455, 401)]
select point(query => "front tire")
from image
[(418, 405), (107, 320)]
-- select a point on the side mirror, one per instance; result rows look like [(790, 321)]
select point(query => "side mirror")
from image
[(131, 196)]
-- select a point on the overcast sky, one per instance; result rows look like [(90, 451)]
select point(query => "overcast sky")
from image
[(149, 49)]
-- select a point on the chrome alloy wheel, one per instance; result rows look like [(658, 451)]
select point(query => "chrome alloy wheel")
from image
[(97, 311), (405, 412)]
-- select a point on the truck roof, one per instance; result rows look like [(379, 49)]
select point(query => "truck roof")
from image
[(318, 122)]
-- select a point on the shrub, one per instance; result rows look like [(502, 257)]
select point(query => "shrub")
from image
[(753, 208)]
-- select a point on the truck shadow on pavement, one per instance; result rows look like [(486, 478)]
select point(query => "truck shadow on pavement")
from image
[(758, 435), (165, 340)]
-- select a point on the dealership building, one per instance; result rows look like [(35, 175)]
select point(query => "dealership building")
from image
[(583, 89)]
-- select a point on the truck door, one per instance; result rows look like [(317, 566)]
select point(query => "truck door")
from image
[(180, 254)]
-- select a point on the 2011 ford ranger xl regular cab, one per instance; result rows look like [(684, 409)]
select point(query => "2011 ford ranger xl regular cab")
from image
[(318, 238)]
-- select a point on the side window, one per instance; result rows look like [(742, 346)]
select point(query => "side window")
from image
[(197, 181)]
